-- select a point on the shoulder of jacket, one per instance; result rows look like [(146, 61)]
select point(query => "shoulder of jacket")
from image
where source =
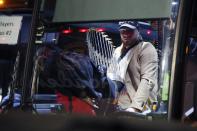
[(147, 45)]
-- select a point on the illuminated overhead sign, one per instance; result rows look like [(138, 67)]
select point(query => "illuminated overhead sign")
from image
[(99, 10)]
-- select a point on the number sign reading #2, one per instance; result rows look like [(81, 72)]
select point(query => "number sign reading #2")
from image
[(9, 29)]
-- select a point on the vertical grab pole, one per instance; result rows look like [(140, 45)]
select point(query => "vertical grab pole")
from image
[(26, 84)]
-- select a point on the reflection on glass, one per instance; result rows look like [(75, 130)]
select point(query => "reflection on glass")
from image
[(167, 44), (115, 68), (107, 68)]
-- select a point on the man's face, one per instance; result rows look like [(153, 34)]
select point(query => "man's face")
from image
[(127, 36)]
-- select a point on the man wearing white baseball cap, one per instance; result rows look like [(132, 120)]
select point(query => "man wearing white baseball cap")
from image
[(136, 69)]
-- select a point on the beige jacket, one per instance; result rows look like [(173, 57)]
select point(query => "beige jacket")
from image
[(138, 70)]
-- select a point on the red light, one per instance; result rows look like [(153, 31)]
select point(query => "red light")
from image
[(148, 32), (83, 30), (100, 29), (67, 31)]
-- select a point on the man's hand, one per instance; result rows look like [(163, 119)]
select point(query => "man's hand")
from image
[(133, 110)]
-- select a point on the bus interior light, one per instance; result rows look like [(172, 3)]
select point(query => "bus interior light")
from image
[(148, 32), (67, 31), (100, 29), (83, 30)]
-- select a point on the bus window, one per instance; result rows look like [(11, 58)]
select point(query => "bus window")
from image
[(81, 64), (104, 64), (15, 21), (13, 39), (189, 108)]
